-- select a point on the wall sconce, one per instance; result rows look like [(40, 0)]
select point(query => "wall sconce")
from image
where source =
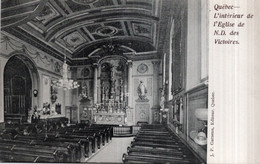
[(202, 115), (200, 136), (35, 92)]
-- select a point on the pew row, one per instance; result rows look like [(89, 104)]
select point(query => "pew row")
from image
[(46, 142), (156, 144)]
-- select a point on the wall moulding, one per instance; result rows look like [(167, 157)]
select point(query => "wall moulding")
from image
[(11, 46)]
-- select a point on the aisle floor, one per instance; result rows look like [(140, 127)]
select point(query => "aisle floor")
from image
[(113, 152)]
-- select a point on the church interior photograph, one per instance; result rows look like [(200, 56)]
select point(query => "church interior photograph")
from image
[(104, 81)]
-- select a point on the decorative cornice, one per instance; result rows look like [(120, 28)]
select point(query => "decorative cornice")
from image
[(4, 55)]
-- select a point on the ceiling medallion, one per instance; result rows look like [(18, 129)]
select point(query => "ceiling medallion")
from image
[(106, 31), (142, 68), (84, 2)]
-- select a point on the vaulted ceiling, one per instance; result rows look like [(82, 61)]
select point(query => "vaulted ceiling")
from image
[(88, 29)]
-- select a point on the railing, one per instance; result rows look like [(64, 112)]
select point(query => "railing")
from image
[(122, 130), (125, 130)]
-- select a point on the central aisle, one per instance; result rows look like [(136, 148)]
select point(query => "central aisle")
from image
[(113, 152)]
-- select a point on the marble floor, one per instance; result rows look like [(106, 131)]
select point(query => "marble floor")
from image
[(113, 152)]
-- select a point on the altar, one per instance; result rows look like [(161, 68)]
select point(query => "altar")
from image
[(111, 104), (110, 111), (110, 118)]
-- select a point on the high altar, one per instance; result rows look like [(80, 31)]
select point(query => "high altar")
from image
[(120, 91), (111, 100)]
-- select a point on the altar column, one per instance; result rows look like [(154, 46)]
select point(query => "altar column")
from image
[(95, 82), (156, 92), (129, 109)]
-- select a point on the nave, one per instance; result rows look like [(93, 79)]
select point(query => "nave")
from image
[(79, 78)]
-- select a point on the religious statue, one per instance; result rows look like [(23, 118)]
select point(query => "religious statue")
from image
[(84, 94), (162, 100), (142, 91)]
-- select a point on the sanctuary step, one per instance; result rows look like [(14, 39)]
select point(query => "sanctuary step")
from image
[(14, 118), (123, 131), (119, 131)]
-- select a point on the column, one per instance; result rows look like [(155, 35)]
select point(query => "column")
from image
[(95, 65), (156, 67), (129, 109), (156, 93), (130, 83), (1, 93)]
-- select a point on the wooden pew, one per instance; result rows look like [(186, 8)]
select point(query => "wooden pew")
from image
[(158, 141), (97, 135), (155, 144), (18, 157), (148, 150), (93, 135), (13, 149), (102, 134), (90, 139), (154, 159), (157, 137), (155, 134), (65, 147), (78, 146), (182, 154), (81, 138)]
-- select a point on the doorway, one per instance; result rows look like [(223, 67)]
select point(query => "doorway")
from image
[(17, 89)]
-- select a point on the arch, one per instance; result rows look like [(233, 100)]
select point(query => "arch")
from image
[(33, 79), (111, 56), (93, 46)]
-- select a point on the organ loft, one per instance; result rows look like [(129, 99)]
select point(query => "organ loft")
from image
[(110, 81)]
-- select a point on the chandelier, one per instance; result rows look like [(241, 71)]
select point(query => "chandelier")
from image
[(65, 83)]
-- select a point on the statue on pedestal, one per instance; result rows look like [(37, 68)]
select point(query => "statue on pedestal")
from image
[(142, 91)]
